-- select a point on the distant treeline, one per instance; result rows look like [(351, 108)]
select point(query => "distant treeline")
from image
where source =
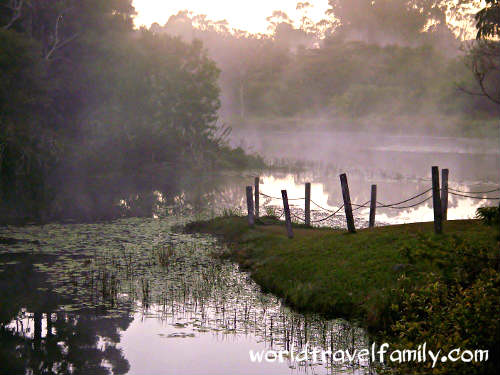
[(92, 110), (397, 65)]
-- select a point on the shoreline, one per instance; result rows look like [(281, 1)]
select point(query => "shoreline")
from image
[(386, 279)]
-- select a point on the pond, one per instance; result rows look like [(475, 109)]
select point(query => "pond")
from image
[(400, 166), (138, 296), (133, 296)]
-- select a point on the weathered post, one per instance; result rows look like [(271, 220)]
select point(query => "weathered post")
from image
[(307, 204), (251, 218), (257, 193), (373, 206), (347, 203), (444, 193), (288, 219), (436, 202)]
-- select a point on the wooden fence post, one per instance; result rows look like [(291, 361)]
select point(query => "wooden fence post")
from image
[(373, 206), (307, 204), (347, 203), (444, 193), (251, 218), (257, 193), (436, 201), (288, 219)]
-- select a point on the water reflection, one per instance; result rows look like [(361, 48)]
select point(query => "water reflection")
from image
[(327, 194), (61, 343), (468, 159), (132, 296), (40, 338)]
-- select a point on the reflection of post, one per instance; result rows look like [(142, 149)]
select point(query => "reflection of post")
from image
[(373, 206), (288, 219), (49, 324), (251, 219), (257, 192), (436, 201), (38, 329), (347, 203), (444, 193), (307, 205)]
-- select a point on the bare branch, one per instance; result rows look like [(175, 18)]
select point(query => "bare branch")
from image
[(58, 43), (17, 7), (475, 93), (480, 80), (483, 61)]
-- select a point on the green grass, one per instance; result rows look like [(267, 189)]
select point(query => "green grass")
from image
[(338, 274)]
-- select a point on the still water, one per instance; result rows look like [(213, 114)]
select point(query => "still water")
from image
[(100, 299), (138, 296)]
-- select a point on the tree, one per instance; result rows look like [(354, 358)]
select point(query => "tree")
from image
[(488, 20), (484, 55), (27, 142), (407, 22)]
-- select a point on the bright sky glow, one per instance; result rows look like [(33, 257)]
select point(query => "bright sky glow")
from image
[(243, 15)]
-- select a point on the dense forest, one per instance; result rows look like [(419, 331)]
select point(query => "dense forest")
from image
[(94, 109), (91, 108), (392, 65)]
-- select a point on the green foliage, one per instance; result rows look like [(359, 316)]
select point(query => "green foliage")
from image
[(454, 308), (163, 254), (362, 100), (93, 106), (231, 212), (489, 215), (401, 21), (488, 20), (271, 212), (447, 316), (350, 275), (405, 283), (384, 59), (28, 145)]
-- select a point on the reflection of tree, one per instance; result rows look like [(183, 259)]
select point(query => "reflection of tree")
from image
[(73, 344), (53, 343)]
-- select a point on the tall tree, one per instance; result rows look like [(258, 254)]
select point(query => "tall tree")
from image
[(488, 20), (484, 55)]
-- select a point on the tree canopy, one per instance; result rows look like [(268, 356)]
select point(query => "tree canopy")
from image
[(89, 104), (488, 20)]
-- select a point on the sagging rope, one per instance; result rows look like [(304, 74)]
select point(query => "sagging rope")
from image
[(319, 220), (365, 204), (329, 216), (405, 207), (290, 199), (317, 205), (391, 205), (395, 205), (359, 206), (473, 197), (473, 192)]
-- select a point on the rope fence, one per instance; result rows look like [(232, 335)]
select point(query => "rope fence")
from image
[(474, 192), (473, 197), (439, 196)]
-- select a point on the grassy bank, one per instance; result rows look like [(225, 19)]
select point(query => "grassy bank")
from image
[(397, 281)]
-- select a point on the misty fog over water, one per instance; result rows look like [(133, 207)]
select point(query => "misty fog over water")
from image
[(399, 165), (471, 160)]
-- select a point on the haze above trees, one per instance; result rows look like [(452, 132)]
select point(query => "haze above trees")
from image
[(394, 65)]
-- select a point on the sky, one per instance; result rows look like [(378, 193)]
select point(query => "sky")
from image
[(244, 15)]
